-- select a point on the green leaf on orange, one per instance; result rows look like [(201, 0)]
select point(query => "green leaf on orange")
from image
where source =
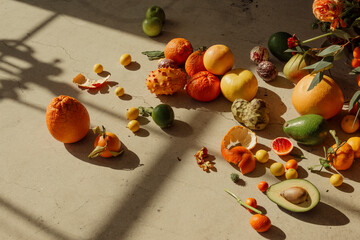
[(318, 77)]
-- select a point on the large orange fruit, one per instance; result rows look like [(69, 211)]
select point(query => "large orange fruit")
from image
[(67, 119), (178, 50), (218, 59), (325, 99), (203, 86), (194, 63)]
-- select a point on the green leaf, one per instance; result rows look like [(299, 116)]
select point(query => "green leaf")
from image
[(115, 154), (342, 34), (318, 77), (355, 71), (97, 151), (329, 51), (354, 99), (324, 162), (153, 55), (290, 50)]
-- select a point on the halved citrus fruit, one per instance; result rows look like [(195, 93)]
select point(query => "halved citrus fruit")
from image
[(282, 146), (240, 136)]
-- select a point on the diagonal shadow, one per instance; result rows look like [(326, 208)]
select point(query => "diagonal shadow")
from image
[(33, 221)]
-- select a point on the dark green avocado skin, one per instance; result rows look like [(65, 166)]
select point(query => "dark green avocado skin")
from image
[(278, 43), (309, 129)]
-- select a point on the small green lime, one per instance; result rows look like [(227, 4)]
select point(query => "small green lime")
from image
[(152, 26), (163, 115), (155, 11)]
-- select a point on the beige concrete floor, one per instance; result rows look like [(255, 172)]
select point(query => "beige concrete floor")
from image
[(155, 190)]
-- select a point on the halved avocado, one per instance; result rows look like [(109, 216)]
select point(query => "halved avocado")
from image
[(308, 195)]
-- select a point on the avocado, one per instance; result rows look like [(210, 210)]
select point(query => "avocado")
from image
[(278, 43), (308, 129), (295, 195)]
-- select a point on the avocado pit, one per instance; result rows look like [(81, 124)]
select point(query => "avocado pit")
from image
[(295, 195)]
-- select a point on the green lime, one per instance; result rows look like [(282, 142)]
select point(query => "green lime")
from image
[(152, 26), (155, 11), (163, 115), (278, 43)]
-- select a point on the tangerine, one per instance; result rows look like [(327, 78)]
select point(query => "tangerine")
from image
[(355, 62), (358, 80), (356, 53), (263, 186), (350, 124), (260, 223), (292, 163), (203, 86), (178, 49), (113, 144), (218, 59), (67, 119), (251, 202), (325, 99), (194, 63), (344, 157)]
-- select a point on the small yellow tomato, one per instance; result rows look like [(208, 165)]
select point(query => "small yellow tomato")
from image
[(262, 156), (277, 169), (132, 113), (119, 91), (125, 59), (336, 180), (134, 125), (98, 68), (291, 174)]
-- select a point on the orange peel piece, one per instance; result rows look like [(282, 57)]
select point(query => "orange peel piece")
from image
[(239, 155), (84, 82)]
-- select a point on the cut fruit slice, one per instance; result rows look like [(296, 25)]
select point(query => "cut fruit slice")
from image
[(240, 136), (282, 146), (84, 82)]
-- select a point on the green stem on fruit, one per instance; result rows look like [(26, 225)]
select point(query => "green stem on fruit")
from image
[(244, 204), (316, 38)]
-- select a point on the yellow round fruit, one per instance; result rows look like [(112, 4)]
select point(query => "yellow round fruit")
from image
[(262, 156), (98, 68), (354, 142), (134, 125), (239, 83), (336, 180), (218, 59), (277, 169), (291, 174), (125, 59), (119, 91), (350, 124), (132, 113)]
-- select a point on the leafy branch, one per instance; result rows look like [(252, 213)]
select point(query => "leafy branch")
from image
[(329, 154)]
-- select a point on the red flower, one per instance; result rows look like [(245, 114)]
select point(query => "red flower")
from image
[(293, 42)]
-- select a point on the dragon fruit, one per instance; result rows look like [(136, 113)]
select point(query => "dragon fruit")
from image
[(166, 81)]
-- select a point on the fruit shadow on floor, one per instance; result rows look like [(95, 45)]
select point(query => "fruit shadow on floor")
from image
[(128, 160), (281, 82), (182, 100), (274, 233), (322, 214), (276, 109)]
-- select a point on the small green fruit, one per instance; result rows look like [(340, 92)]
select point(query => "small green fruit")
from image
[(155, 11), (152, 26)]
